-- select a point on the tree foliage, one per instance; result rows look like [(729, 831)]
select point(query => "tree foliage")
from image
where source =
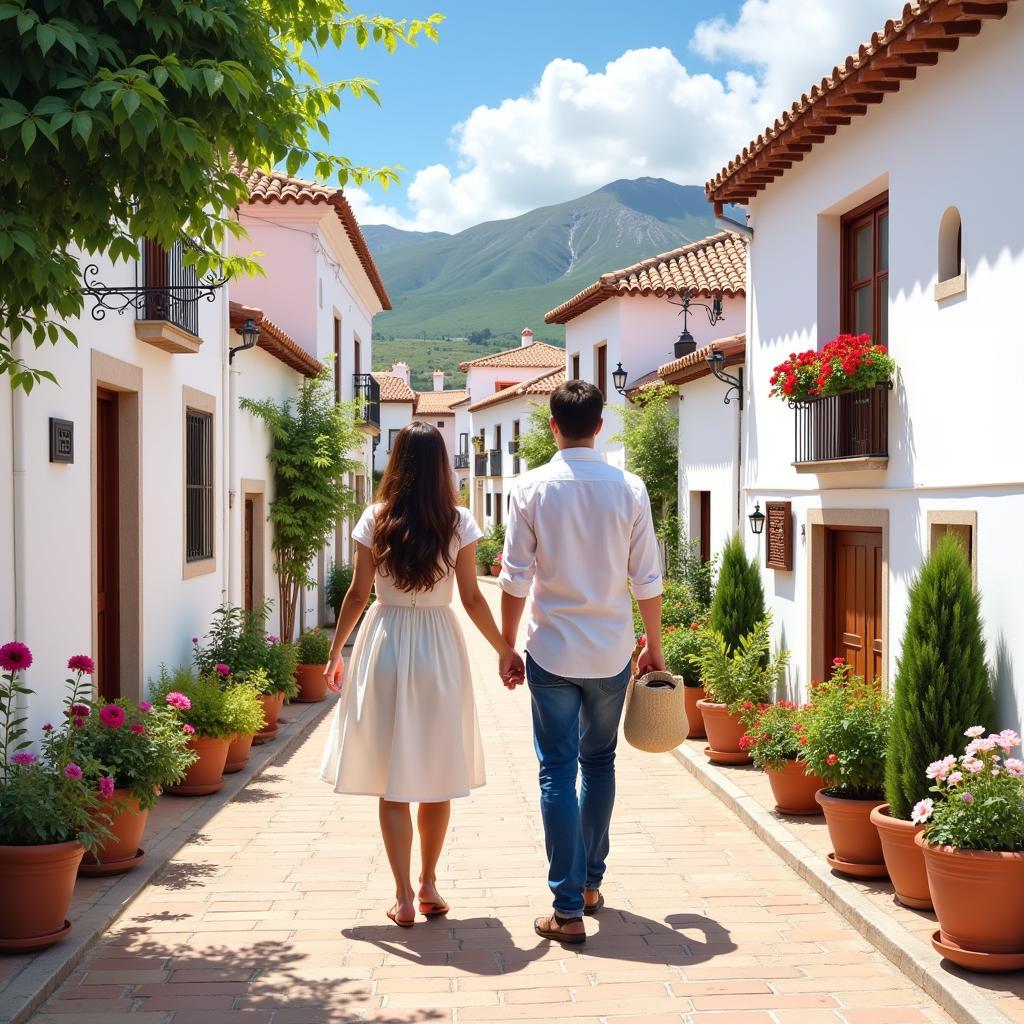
[(537, 445), (942, 682), (313, 438), (122, 120), (739, 596), (650, 434)]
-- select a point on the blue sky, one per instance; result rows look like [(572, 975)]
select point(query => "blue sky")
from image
[(535, 102)]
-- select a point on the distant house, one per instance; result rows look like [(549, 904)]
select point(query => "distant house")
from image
[(867, 219), (397, 400), (626, 320)]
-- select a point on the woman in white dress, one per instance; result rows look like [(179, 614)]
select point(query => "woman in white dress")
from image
[(405, 729)]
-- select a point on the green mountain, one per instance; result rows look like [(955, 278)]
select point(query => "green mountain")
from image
[(505, 275), (382, 238)]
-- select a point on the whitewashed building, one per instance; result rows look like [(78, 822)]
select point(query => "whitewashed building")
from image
[(877, 205), (397, 400), (629, 319)]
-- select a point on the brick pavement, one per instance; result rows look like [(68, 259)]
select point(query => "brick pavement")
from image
[(275, 915)]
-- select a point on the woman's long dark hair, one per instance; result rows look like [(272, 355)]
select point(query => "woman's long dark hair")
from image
[(417, 515)]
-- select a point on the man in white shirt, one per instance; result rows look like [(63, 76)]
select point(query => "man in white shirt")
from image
[(579, 533)]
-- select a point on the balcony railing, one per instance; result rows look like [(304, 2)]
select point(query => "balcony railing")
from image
[(462, 460), (367, 395), (835, 428), (480, 464), (170, 290), (494, 462), (517, 465)]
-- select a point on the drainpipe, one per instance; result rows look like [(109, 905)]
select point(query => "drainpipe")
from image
[(19, 508), (234, 518)]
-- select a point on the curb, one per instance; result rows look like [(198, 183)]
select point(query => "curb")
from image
[(37, 982), (916, 961)]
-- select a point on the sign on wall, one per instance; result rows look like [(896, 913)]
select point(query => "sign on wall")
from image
[(62, 440), (778, 548)]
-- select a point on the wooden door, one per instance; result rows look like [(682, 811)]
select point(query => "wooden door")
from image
[(108, 556), (854, 624), (705, 526), (248, 553)]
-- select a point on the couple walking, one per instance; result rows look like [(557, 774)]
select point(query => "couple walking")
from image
[(405, 729)]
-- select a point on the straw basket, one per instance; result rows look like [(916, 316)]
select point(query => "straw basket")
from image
[(655, 719)]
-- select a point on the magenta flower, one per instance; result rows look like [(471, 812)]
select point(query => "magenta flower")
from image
[(15, 657), (106, 787), (223, 670), (178, 700), (79, 711), (82, 663), (968, 798), (78, 722), (195, 640), (145, 707), (139, 730), (189, 730), (112, 716), (24, 758), (271, 639), (48, 727), (72, 771)]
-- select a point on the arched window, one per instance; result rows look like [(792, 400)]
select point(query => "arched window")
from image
[(950, 245)]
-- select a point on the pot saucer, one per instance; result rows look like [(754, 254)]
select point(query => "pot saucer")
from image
[(203, 790), (113, 867), (990, 963), (232, 769), (848, 867), (34, 943), (798, 814), (727, 756), (263, 737)]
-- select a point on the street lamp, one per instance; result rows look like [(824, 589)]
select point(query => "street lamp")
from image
[(716, 364), (619, 377), (250, 335), (756, 520), (685, 343)]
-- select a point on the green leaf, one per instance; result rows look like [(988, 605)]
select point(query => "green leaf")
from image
[(46, 36), (130, 101), (81, 125), (28, 134)]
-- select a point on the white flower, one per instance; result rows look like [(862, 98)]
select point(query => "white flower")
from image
[(922, 811), (1015, 767), (975, 731)]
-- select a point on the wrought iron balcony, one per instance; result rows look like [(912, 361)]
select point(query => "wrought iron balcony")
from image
[(169, 290), (850, 430), (480, 464), (367, 395), (494, 462), (462, 460)]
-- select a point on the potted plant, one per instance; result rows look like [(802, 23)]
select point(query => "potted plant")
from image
[(281, 659), (336, 584), (203, 708), (739, 597), (314, 651), (134, 749), (680, 644), (973, 845), (245, 711), (776, 739), (488, 551), (48, 812), (731, 680), (847, 730), (847, 363), (942, 687)]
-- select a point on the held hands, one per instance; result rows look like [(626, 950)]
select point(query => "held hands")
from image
[(511, 669), (334, 671), (650, 661)]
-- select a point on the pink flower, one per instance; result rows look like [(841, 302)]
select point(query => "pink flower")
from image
[(940, 769), (271, 639), (968, 798), (195, 640), (838, 661), (975, 731), (72, 771), (1007, 740), (24, 758), (48, 727), (15, 657), (145, 707), (222, 669), (832, 759), (79, 711), (106, 787), (139, 730), (955, 778), (189, 730), (81, 663), (178, 700), (1015, 767), (922, 811), (112, 716), (973, 766)]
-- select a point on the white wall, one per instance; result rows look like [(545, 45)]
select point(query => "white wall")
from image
[(505, 414), (393, 416), (953, 419)]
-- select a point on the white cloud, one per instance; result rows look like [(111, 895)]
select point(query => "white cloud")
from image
[(643, 114)]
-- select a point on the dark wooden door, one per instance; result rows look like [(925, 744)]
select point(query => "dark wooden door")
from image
[(855, 627), (249, 552), (108, 555), (705, 526)]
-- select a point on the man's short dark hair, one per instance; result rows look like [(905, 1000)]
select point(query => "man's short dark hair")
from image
[(576, 407)]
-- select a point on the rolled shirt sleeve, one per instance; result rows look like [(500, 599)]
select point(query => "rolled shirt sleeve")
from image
[(644, 556), (519, 559)]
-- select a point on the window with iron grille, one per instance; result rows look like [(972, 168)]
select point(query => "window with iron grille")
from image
[(198, 485)]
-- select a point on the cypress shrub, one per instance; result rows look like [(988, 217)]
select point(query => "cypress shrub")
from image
[(739, 598), (942, 681)]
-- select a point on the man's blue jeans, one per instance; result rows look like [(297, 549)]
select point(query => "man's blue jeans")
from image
[(575, 728)]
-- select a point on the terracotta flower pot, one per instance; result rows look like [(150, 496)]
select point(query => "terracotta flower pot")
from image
[(496, 570), (903, 858), (724, 731), (123, 852), (794, 788), (858, 850), (36, 883), (693, 696), (238, 753), (312, 683), (979, 901), (207, 774), (272, 704)]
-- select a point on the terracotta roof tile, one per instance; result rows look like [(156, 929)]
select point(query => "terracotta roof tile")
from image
[(714, 265), (540, 355), (543, 384), (695, 365), (275, 187), (394, 388), (633, 388), (438, 403), (274, 340), (926, 29)]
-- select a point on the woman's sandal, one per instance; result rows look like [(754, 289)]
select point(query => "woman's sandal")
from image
[(393, 916), (557, 934), (428, 909), (590, 909)]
